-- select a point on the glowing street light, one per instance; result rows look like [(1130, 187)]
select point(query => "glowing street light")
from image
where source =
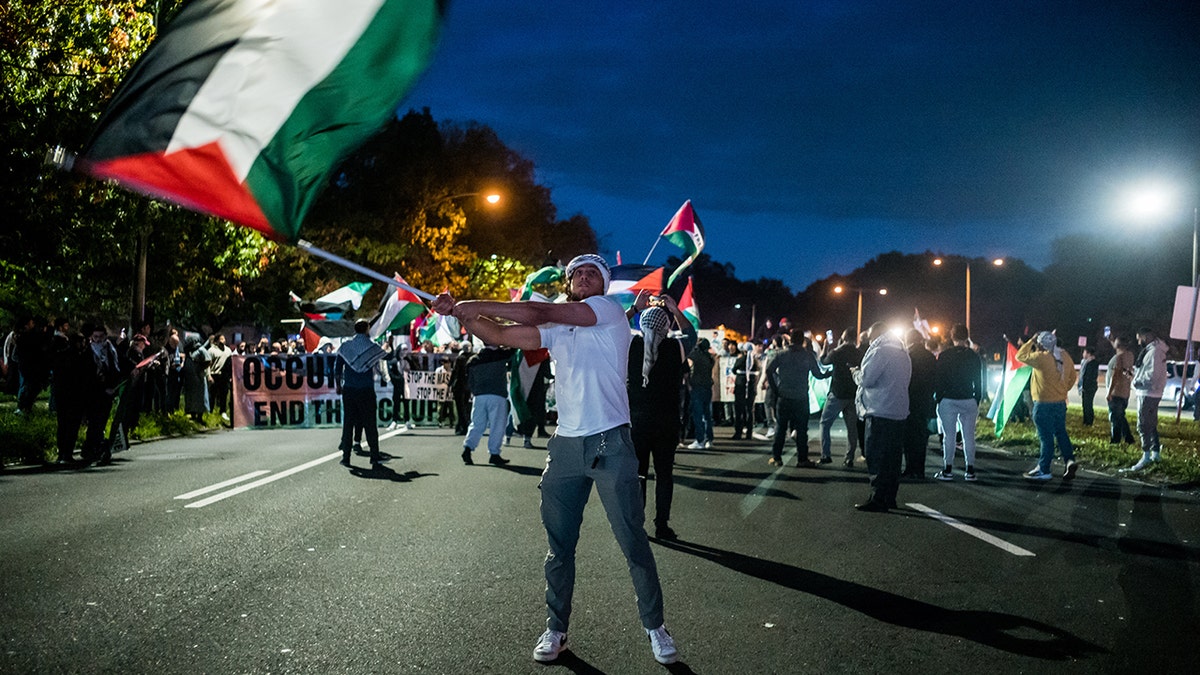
[(839, 289), (1152, 202)]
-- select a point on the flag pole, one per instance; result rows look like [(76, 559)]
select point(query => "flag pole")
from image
[(321, 253), (647, 260)]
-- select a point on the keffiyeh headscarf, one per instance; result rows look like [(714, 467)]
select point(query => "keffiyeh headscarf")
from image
[(593, 260), (1050, 343), (655, 323)]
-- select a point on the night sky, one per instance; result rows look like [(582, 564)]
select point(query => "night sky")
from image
[(812, 136)]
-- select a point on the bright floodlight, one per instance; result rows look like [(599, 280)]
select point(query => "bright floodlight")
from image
[(937, 261), (883, 291), (493, 198), (998, 262), (1148, 202), (838, 289)]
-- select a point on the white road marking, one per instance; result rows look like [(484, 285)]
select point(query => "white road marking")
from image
[(262, 481), (973, 531), (759, 494), (223, 484)]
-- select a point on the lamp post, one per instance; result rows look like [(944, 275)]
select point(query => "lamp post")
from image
[(842, 289), (996, 262), (753, 310)]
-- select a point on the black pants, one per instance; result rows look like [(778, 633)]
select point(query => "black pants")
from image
[(658, 442), (1118, 422), (916, 443), (358, 410), (1089, 413), (791, 412), (97, 407), (462, 408), (885, 441)]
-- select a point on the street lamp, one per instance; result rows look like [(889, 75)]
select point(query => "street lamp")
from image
[(753, 309), (996, 262), (842, 289), (1155, 202)]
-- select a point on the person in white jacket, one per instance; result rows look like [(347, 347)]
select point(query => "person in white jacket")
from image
[(1149, 380)]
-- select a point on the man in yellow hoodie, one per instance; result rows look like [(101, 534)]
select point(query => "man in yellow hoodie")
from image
[(1053, 376)]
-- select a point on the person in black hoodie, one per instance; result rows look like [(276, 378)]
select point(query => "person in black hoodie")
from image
[(656, 370), (840, 401), (788, 373), (99, 374), (920, 405)]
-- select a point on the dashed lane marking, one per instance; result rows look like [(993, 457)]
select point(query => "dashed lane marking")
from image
[(223, 484), (973, 531)]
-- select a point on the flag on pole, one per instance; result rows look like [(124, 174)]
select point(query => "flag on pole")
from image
[(626, 281), (397, 309), (1016, 376), (687, 305), (684, 230), (243, 108), (332, 306), (315, 333), (546, 275), (439, 329)]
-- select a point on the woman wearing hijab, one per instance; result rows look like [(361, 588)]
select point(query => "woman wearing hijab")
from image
[(1052, 378)]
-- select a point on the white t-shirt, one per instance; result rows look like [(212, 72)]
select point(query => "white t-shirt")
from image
[(590, 367)]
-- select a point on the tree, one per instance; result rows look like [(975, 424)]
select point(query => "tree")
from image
[(72, 243)]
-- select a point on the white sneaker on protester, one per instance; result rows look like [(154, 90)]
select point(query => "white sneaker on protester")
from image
[(695, 445), (708, 445), (1141, 464), (663, 645), (549, 646)]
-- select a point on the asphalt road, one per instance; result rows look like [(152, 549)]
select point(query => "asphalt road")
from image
[(299, 565)]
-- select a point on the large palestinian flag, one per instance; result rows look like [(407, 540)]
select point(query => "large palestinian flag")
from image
[(243, 108)]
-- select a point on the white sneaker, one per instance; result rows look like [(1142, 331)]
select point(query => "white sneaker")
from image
[(695, 445), (770, 433), (549, 646), (1141, 464), (409, 425), (663, 645), (708, 445)]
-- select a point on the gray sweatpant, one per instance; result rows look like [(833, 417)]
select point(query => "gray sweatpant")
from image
[(608, 460)]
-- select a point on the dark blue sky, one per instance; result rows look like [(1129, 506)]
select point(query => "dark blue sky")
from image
[(812, 136)]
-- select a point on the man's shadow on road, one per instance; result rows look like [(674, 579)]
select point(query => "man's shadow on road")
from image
[(381, 472), (572, 662), (994, 629)]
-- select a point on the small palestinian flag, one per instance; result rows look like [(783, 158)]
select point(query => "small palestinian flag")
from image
[(314, 333), (335, 305), (397, 310), (243, 108), (687, 305), (684, 230)]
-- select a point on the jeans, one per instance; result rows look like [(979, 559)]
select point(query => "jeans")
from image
[(1117, 421), (606, 459), (1147, 422), (702, 421), (833, 407), (1051, 422), (489, 411)]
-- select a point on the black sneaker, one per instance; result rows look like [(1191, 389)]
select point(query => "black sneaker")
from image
[(825, 460), (497, 460), (664, 532), (466, 455), (806, 464)]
